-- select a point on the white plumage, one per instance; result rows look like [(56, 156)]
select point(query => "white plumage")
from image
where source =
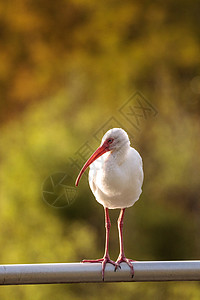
[(116, 177)]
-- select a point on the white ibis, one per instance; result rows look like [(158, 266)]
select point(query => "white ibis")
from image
[(115, 180)]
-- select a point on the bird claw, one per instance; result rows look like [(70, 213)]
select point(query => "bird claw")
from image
[(92, 260), (104, 261), (116, 267), (127, 261)]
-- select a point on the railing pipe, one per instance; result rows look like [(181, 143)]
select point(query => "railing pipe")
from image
[(50, 273)]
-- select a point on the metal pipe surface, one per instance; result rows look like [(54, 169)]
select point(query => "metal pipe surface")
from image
[(91, 272)]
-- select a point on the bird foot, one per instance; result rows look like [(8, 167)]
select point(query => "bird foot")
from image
[(126, 260), (106, 259)]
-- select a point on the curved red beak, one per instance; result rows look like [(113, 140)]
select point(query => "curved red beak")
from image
[(100, 151)]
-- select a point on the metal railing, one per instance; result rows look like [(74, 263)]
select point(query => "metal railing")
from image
[(91, 272)]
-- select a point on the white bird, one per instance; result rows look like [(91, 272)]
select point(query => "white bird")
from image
[(116, 180)]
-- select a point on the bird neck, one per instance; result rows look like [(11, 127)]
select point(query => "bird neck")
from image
[(119, 155)]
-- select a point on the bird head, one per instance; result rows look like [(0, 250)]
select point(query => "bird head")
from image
[(113, 140)]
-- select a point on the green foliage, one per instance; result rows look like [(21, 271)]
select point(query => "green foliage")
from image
[(66, 68)]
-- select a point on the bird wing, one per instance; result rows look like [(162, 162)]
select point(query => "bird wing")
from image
[(118, 187)]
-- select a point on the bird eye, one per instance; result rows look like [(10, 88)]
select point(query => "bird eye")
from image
[(110, 141)]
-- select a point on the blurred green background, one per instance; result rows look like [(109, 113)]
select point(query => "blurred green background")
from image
[(66, 68)]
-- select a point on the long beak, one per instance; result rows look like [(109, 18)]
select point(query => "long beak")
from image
[(100, 151)]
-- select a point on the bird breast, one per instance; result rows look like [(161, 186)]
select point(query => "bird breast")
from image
[(116, 181)]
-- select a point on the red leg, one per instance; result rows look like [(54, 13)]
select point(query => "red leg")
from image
[(121, 257), (106, 258)]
